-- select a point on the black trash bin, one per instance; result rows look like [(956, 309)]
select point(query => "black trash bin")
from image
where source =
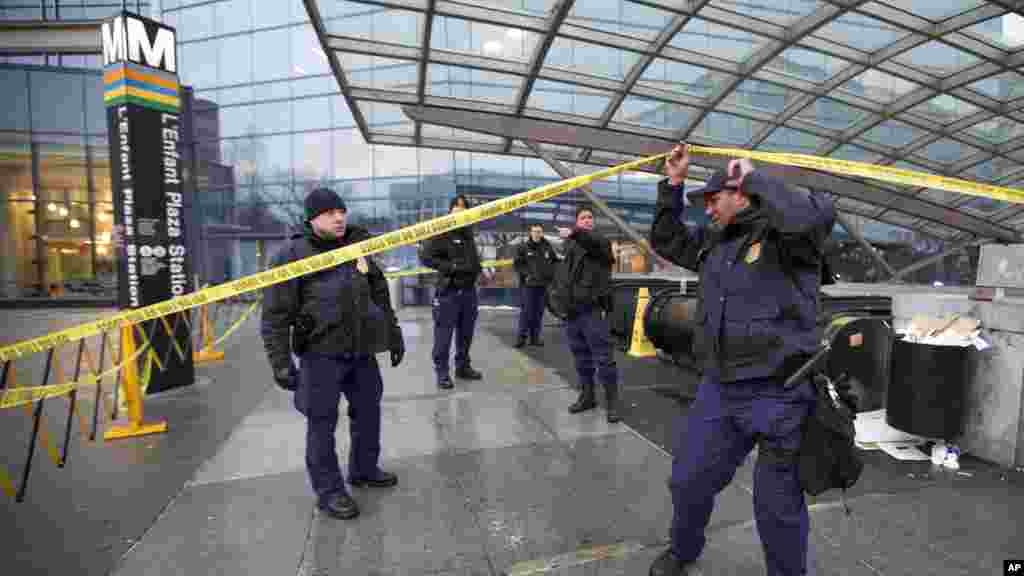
[(861, 351), (624, 295), (927, 389)]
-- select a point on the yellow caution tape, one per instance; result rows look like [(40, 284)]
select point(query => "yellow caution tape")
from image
[(425, 270), (23, 396), (402, 237), (889, 174), (436, 226)]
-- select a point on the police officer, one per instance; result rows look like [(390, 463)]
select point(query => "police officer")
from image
[(455, 257), (583, 291), (535, 262), (335, 320), (759, 281)]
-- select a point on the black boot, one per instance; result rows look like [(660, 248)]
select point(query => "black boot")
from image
[(611, 394), (521, 342), (586, 399), (536, 341), (668, 564), (339, 505), (444, 381), (379, 479), (467, 373)]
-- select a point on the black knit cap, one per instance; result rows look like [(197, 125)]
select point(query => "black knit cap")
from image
[(465, 201), (321, 200)]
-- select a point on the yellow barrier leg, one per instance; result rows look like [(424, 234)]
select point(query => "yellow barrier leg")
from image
[(207, 354), (132, 391), (639, 345)]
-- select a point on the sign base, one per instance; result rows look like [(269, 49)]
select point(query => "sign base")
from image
[(132, 430)]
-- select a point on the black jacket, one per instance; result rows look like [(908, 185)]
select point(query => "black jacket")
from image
[(455, 258), (583, 278), (337, 311), (759, 277), (535, 263)]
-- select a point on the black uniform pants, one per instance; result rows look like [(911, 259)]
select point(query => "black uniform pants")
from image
[(455, 311), (591, 346), (531, 311), (324, 378)]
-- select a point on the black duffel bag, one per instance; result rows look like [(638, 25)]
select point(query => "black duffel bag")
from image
[(828, 457)]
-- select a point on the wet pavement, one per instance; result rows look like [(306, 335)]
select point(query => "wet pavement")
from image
[(495, 477)]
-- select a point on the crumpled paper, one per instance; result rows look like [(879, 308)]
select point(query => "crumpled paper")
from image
[(955, 330)]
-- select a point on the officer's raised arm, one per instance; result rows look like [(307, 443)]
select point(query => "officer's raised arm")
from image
[(435, 256), (595, 245), (669, 236), (788, 210)]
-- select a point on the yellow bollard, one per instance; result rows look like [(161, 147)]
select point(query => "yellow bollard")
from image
[(132, 391), (639, 345), (207, 354)]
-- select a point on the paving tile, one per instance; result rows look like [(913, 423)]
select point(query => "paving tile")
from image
[(255, 526)]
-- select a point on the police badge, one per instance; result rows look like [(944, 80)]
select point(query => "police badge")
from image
[(753, 253)]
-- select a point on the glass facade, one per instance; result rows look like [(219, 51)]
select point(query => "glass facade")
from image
[(56, 209), (69, 9), (267, 122)]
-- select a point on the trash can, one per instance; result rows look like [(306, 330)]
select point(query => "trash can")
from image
[(861, 350), (671, 325), (624, 296), (927, 389)]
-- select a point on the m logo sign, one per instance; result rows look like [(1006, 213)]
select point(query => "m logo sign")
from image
[(131, 38)]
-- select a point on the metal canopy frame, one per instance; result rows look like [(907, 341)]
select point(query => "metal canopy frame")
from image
[(528, 129), (910, 208)]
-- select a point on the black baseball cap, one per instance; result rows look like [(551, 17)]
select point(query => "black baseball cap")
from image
[(714, 184)]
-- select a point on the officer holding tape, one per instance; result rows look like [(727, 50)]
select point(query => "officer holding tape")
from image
[(455, 257), (759, 281), (582, 289), (335, 320)]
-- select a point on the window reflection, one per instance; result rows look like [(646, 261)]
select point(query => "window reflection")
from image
[(482, 39), (762, 96), (310, 113), (807, 64), (61, 96), (236, 59), (590, 58), (473, 84), (313, 156), (370, 22), (831, 114), (16, 98), (568, 98), (788, 139), (892, 133), (307, 56), (620, 17), (653, 113), (678, 77), (861, 32), (273, 55), (352, 158), (706, 37)]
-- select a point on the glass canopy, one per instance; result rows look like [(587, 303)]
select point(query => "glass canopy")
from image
[(928, 85)]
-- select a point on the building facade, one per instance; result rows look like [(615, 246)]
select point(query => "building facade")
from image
[(268, 124)]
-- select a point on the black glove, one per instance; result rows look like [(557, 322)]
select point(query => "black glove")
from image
[(460, 265), (287, 377), (397, 346)]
